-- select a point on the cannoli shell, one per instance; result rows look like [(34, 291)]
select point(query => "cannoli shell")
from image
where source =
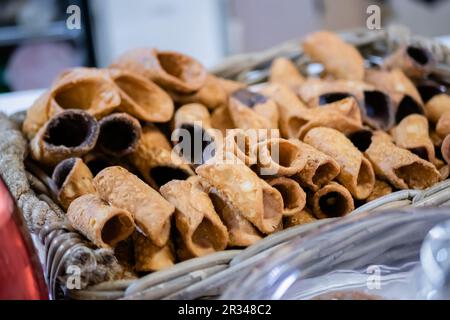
[(101, 223), (221, 120), (445, 149), (340, 59), (239, 142), (332, 200), (150, 210), (294, 198), (200, 228), (356, 173), (73, 179), (400, 167), (412, 134), (284, 71), (149, 257), (443, 125), (437, 106), (142, 98), (246, 193), (405, 58), (191, 113), (381, 188), (319, 169), (298, 218)]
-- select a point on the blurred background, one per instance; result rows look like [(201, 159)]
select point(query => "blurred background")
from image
[(39, 38)]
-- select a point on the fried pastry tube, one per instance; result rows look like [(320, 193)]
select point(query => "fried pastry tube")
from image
[(299, 218), (149, 257), (119, 134), (443, 125), (279, 157), (199, 227), (246, 193), (221, 119), (294, 198), (171, 70), (412, 134), (101, 223), (356, 173), (339, 58), (333, 200), (73, 179), (437, 106), (70, 133), (142, 98), (319, 169), (400, 167), (378, 110), (150, 210), (382, 188), (251, 110), (156, 161), (80, 88), (240, 143), (415, 62), (283, 71)]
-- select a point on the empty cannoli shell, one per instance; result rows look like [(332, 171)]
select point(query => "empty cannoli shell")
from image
[(246, 193), (70, 133), (348, 107), (378, 110), (400, 167), (319, 168), (149, 257), (283, 71), (437, 106), (361, 139), (241, 143), (381, 188), (96, 162), (213, 94), (394, 81), (119, 134), (156, 161), (73, 179), (294, 198), (251, 110), (293, 114), (101, 223), (200, 228), (443, 125), (356, 173), (142, 98), (405, 105), (299, 218), (415, 62), (221, 119), (428, 89), (150, 210), (333, 200), (340, 59), (171, 70), (412, 134), (279, 157)]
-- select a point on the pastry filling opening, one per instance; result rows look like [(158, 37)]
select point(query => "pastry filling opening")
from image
[(333, 97), (415, 175), (116, 229), (208, 236), (163, 174), (70, 130), (197, 143), (418, 54), (171, 64), (421, 152), (378, 107), (333, 204), (118, 135), (62, 170), (361, 139), (324, 173), (406, 107), (428, 91), (291, 197)]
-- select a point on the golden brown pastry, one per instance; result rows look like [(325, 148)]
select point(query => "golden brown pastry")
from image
[(171, 70), (73, 179), (381, 189), (150, 210), (294, 198), (331, 201), (415, 62), (156, 161), (400, 167), (437, 106), (101, 223), (70, 133), (356, 173), (199, 227), (221, 119), (149, 257), (299, 218), (142, 98), (340, 59), (443, 125), (283, 71), (119, 134)]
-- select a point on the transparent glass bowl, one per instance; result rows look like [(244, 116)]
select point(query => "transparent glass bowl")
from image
[(375, 255)]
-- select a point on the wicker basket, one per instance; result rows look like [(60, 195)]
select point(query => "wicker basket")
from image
[(204, 277)]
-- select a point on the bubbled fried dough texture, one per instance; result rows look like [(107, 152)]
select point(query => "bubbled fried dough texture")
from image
[(333, 200), (294, 198), (200, 228), (356, 173), (319, 169), (340, 59), (246, 193), (101, 223), (149, 257), (400, 167), (150, 210)]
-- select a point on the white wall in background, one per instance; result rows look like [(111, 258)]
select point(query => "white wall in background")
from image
[(194, 27)]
